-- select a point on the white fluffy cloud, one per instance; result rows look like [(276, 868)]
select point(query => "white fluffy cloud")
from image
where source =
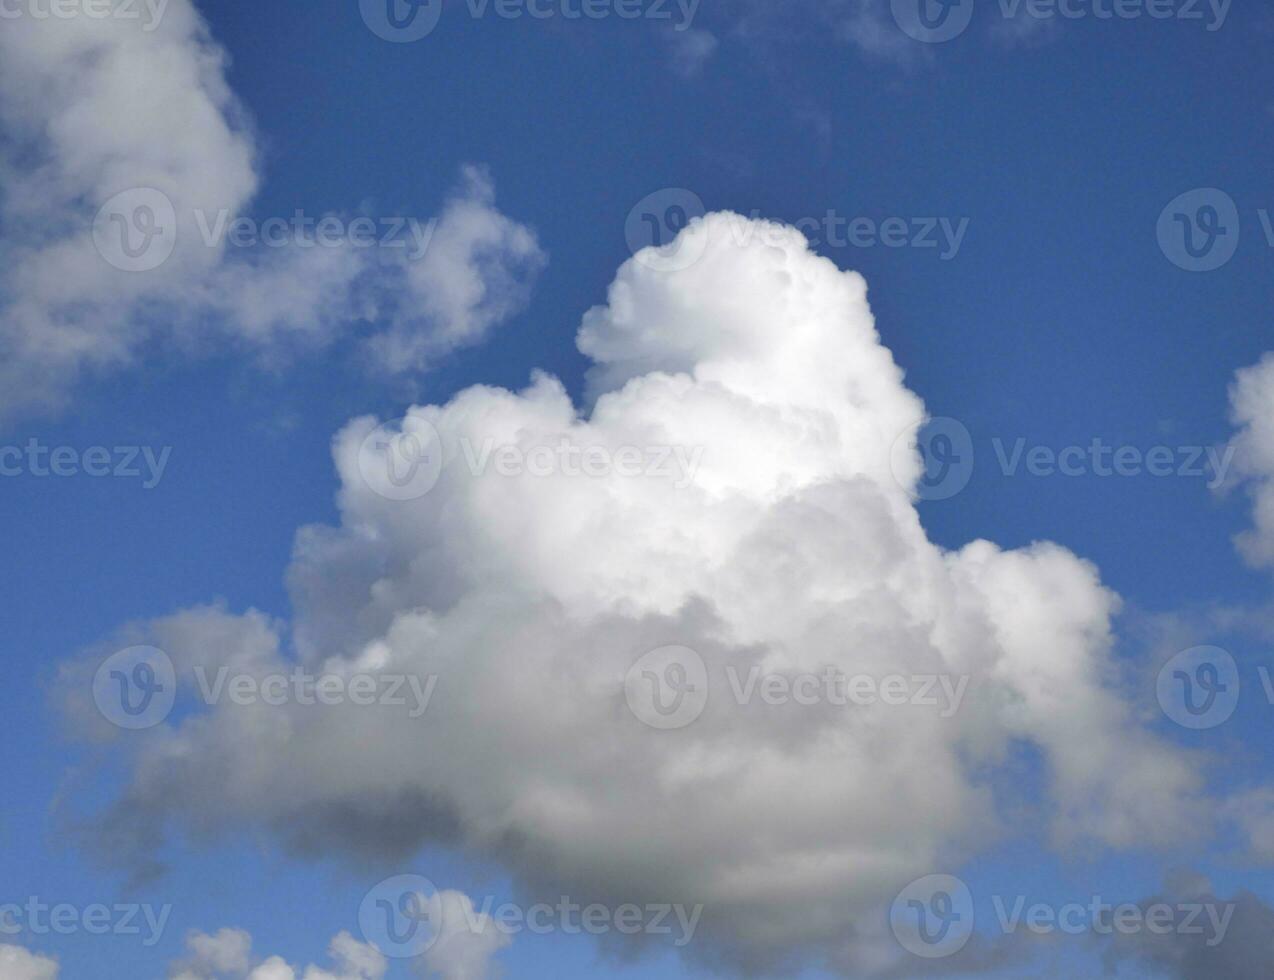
[(690, 50), (91, 108), (1252, 408), (466, 939), (227, 955), (17, 963), (797, 549), (464, 943)]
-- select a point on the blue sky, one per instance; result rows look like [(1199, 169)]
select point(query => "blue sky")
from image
[(1058, 319)]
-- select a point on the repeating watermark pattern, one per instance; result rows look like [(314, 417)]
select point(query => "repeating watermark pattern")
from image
[(1097, 916), (148, 13), (680, 464), (1211, 13), (933, 21), (934, 917), (399, 916), (938, 21), (947, 451), (301, 230), (36, 459), (655, 224), (1199, 230), (943, 234), (403, 917), (401, 21), (136, 688), (406, 21), (403, 460), (137, 231), (1100, 458), (669, 688), (33, 916), (1200, 688), (301, 687)]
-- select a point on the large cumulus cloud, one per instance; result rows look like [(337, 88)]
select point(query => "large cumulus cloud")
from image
[(797, 548)]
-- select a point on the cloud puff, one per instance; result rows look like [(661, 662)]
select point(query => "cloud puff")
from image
[(690, 50), (227, 955), (796, 550), (94, 108), (463, 945), (466, 940), (18, 964), (1252, 410), (226, 952)]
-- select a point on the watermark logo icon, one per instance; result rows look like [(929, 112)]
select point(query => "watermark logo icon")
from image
[(1199, 230), (656, 230), (136, 230), (1199, 688), (401, 21), (402, 459), (933, 21), (135, 688), (946, 449), (396, 916), (668, 687), (933, 916)]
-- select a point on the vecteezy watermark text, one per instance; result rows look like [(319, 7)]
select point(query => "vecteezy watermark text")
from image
[(670, 687), (404, 916), (933, 917), (1099, 458), (677, 463), (844, 231), (403, 459), (938, 21), (136, 688), (301, 687), (405, 21), (306, 231), (35, 917), (1182, 10), (137, 230), (948, 456), (655, 224), (122, 462), (151, 10)]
